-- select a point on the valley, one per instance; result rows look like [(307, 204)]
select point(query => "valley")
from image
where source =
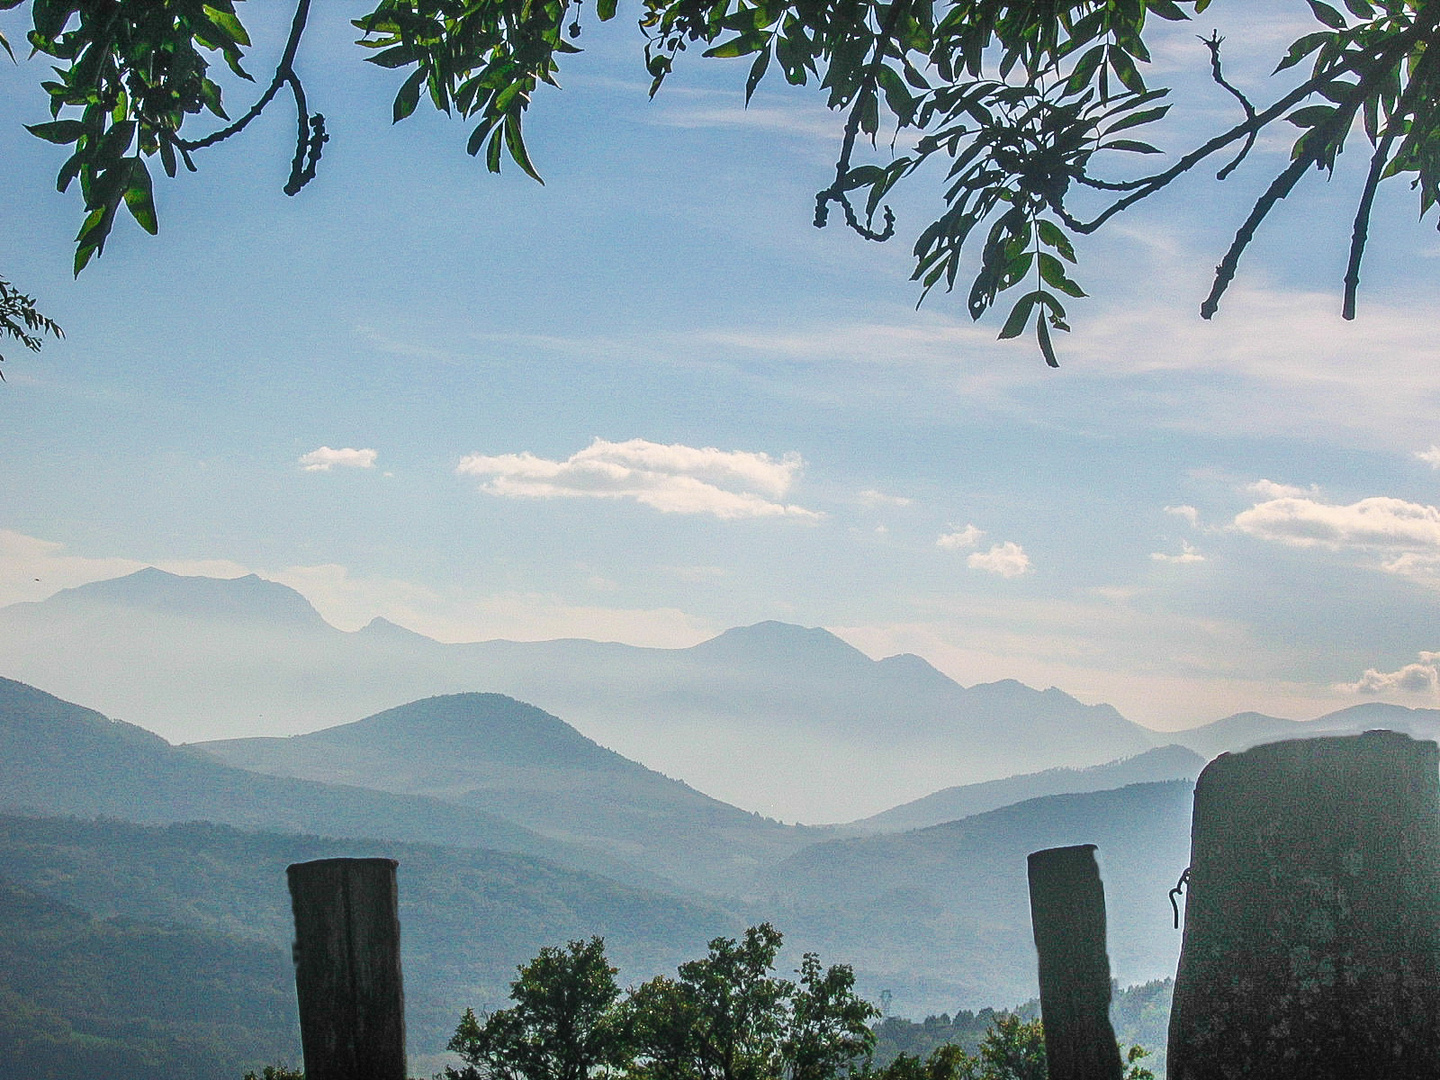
[(124, 855)]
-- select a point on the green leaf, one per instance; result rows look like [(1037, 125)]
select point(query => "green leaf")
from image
[(1084, 69), (229, 23), (757, 72), (478, 136), (140, 197), (1133, 146), (1020, 315), (399, 56), (515, 143), (1042, 335), (60, 132), (1053, 236), (743, 45), (408, 96), (1052, 272), (605, 9), (1136, 119), (1311, 115), (1327, 15)]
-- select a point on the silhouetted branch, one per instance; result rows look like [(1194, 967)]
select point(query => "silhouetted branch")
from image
[(311, 135), (1213, 44)]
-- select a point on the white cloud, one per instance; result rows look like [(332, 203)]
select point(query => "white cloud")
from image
[(1187, 555), (871, 497), (1419, 678), (1269, 489), (1189, 513), (325, 459), (1008, 560), (1431, 457), (958, 539), (1380, 522), (674, 479)]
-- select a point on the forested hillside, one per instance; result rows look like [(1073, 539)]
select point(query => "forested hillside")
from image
[(83, 998), (468, 917)]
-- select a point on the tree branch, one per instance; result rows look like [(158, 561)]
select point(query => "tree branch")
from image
[(1360, 233), (869, 88), (284, 73), (1213, 44)]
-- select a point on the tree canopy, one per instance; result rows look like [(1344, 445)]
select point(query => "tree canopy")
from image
[(1031, 111), (725, 1016)]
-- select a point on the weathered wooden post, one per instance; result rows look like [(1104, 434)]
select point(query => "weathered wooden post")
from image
[(1067, 914), (1312, 924), (347, 969)]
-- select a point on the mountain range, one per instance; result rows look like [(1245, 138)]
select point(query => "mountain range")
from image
[(515, 761), (516, 828), (789, 721), (935, 946)]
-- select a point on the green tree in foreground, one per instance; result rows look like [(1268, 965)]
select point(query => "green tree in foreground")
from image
[(276, 1072), (1027, 113), (1013, 1049), (723, 1017), (564, 1025)]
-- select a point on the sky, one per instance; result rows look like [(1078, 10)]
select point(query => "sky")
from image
[(648, 400)]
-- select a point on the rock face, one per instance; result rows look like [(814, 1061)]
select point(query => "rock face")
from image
[(1312, 925)]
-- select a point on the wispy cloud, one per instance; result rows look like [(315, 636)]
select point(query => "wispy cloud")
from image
[(1431, 457), (959, 539), (1188, 554), (1189, 513), (1269, 489), (871, 497), (1008, 560), (324, 459), (674, 479)]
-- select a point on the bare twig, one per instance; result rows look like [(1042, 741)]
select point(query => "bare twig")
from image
[(1213, 44)]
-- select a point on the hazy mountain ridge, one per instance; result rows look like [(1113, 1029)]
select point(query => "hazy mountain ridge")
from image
[(517, 761), (877, 903), (788, 720), (955, 902), (66, 759), (1172, 762), (1244, 730)]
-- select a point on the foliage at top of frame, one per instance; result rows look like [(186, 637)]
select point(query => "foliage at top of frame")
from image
[(1032, 110)]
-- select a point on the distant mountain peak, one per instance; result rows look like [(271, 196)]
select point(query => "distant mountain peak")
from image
[(247, 598), (772, 638), (383, 629)]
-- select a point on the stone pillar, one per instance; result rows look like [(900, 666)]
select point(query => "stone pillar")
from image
[(347, 969), (1067, 913), (1312, 922)]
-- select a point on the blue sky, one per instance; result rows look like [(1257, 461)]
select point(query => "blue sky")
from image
[(649, 401)]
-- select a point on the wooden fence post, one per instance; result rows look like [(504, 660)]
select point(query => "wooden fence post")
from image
[(1067, 913), (1312, 920), (347, 969)]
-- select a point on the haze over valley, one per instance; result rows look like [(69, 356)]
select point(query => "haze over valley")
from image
[(517, 826), (775, 718)]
